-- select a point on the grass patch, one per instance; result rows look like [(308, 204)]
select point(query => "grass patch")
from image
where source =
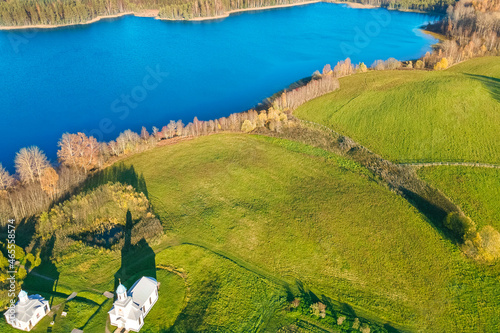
[(418, 116), (169, 305), (99, 319), (223, 297)]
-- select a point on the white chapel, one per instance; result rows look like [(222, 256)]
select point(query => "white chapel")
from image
[(27, 312), (130, 308)]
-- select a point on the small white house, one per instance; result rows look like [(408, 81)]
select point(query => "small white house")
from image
[(27, 312), (130, 309)]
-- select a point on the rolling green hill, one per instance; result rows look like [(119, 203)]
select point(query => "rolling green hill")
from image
[(299, 213), (418, 116), (252, 222)]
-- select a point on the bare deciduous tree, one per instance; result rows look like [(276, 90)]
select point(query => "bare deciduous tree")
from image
[(30, 163), (6, 180), (79, 151)]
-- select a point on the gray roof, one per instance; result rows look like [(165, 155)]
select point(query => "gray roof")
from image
[(24, 311), (142, 289)]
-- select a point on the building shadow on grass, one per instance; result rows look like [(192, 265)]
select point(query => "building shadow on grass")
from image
[(136, 258)]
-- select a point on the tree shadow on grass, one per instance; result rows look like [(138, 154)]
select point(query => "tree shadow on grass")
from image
[(434, 213), (120, 173), (492, 84), (192, 317), (45, 276), (25, 231)]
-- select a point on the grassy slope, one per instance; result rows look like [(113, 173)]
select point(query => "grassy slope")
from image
[(298, 212), (223, 296), (410, 116), (475, 190)]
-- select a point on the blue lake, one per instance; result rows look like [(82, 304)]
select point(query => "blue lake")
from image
[(130, 72)]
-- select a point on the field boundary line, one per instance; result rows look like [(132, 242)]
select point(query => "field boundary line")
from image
[(466, 164)]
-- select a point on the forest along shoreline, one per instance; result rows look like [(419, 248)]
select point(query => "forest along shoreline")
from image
[(154, 13)]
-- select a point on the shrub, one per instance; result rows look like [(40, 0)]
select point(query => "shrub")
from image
[(318, 309), (365, 328), (362, 68), (419, 64), (21, 273), (490, 241), (461, 225), (356, 324), (442, 64)]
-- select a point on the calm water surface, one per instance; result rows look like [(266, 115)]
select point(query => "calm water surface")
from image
[(125, 73)]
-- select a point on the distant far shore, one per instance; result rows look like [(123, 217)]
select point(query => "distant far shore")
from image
[(226, 14), (154, 13), (52, 26)]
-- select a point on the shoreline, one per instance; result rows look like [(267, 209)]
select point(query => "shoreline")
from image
[(153, 13), (436, 35), (234, 11), (356, 5)]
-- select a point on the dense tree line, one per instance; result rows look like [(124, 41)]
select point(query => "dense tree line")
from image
[(438, 6), (471, 29), (57, 12)]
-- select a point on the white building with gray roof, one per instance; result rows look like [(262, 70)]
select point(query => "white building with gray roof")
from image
[(27, 312), (130, 308)]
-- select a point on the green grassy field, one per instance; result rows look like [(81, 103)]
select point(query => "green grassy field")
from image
[(475, 190), (297, 212), (418, 116), (249, 220)]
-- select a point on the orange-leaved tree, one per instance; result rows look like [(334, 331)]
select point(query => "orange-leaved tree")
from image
[(48, 181)]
